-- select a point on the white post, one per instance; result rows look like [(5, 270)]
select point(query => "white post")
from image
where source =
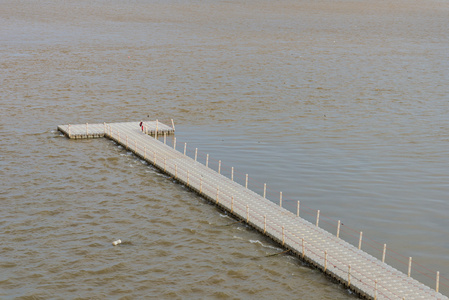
[(297, 209), (246, 182), (173, 124), (409, 266), (349, 275), (264, 190), (264, 224), (283, 236), (317, 217), (383, 254), (219, 167), (185, 148), (280, 199), (207, 160), (438, 281), (232, 173), (375, 289), (360, 240), (325, 261), (217, 194), (338, 228), (174, 143), (303, 248), (196, 153)]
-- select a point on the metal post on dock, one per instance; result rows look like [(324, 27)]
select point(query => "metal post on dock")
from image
[(438, 282), (173, 124), (338, 228), (360, 240), (409, 266), (264, 190), (303, 248), (297, 209), (265, 224), (196, 153), (325, 261), (207, 160), (280, 199), (317, 217), (383, 254), (375, 289), (174, 143), (232, 174), (217, 195), (219, 167), (246, 182), (185, 148), (349, 275)]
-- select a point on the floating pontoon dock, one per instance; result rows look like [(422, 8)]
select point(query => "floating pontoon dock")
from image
[(359, 271)]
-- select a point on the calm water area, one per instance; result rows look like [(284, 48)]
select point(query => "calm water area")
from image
[(342, 105)]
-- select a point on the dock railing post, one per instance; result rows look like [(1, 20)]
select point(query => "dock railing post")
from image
[(264, 190), (265, 224), (246, 182), (297, 209), (325, 261), (173, 124), (409, 266), (174, 143), (217, 195), (360, 240), (383, 254), (303, 248), (232, 174), (196, 153), (349, 275), (338, 228), (438, 282), (207, 160), (375, 289), (317, 217), (280, 199), (283, 235), (185, 148), (219, 167)]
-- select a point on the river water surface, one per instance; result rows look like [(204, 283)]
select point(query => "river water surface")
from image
[(342, 105)]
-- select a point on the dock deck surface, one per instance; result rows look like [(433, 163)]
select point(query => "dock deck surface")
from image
[(361, 272)]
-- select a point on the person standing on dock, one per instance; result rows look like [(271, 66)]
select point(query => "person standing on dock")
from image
[(141, 125)]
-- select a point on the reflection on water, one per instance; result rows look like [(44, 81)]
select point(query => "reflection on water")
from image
[(340, 105)]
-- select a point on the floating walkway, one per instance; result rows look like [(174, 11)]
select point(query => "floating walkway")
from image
[(359, 271)]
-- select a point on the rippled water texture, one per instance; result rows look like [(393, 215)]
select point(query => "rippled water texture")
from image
[(339, 104)]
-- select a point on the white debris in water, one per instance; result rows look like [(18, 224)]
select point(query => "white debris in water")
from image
[(115, 243)]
